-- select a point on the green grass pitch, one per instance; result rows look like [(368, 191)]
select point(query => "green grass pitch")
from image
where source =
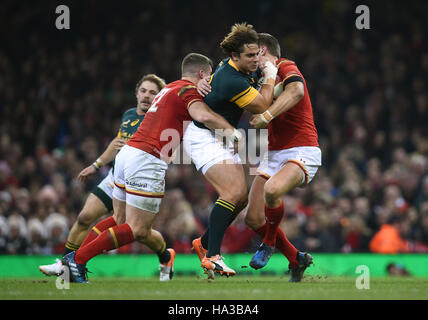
[(199, 288)]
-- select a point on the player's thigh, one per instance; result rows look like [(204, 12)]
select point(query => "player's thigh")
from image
[(255, 216), (287, 178), (93, 209), (229, 181)]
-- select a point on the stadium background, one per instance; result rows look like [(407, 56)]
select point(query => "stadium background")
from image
[(62, 93)]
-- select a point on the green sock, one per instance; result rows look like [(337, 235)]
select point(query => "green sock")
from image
[(164, 255), (205, 236), (69, 247), (220, 218)]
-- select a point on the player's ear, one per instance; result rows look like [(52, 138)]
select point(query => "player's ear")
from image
[(263, 50), (235, 56)]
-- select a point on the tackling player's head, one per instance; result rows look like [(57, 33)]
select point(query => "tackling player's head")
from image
[(146, 90), (269, 43), (242, 46), (196, 66)]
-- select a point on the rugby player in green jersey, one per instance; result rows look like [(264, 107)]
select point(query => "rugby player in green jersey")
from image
[(99, 201), (234, 89)]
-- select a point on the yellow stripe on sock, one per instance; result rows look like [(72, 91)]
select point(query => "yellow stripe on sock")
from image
[(116, 244), (163, 247), (226, 204), (71, 246), (96, 230)]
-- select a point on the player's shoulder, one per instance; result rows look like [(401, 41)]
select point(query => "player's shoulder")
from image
[(287, 68), (285, 62), (227, 76), (183, 86), (130, 112)]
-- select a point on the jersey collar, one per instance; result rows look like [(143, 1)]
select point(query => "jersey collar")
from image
[(233, 64)]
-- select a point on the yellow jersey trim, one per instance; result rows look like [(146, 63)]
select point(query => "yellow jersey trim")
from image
[(233, 64), (245, 97)]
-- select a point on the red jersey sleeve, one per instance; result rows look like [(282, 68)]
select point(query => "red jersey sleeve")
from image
[(288, 71), (189, 94)]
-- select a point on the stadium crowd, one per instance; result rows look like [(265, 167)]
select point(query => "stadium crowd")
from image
[(62, 95)]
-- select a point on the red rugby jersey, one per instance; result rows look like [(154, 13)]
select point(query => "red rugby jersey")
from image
[(294, 128), (162, 128)]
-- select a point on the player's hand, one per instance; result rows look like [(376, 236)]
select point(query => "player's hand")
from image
[(263, 59), (203, 86), (257, 122), (86, 173), (119, 143)]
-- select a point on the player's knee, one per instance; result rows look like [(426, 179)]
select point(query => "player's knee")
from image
[(254, 222), (272, 193), (236, 195), (85, 219), (141, 233)]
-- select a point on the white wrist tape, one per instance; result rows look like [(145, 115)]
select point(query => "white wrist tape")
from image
[(266, 116), (236, 135), (269, 71)]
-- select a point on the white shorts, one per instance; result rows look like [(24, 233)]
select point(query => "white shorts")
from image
[(139, 179), (205, 149), (107, 184), (307, 158)]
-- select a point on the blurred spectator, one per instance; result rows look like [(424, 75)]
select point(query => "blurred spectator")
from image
[(16, 237), (316, 238), (4, 230), (389, 239), (238, 237), (57, 229), (393, 238), (396, 269), (37, 243)]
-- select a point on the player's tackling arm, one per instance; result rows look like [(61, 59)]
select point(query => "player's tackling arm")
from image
[(292, 94), (265, 96), (201, 112)]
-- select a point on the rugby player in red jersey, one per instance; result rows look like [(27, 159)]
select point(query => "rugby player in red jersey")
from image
[(139, 172), (292, 160), (100, 202)]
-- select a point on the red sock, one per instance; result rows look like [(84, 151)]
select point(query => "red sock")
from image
[(109, 239), (282, 244), (98, 228), (273, 218), (286, 248)]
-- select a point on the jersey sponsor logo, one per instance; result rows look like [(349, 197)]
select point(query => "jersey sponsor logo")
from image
[(124, 135), (133, 123)]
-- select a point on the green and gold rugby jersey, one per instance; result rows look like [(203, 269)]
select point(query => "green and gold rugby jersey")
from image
[(231, 91), (130, 123)]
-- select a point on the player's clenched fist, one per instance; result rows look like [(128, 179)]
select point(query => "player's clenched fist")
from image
[(261, 120)]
